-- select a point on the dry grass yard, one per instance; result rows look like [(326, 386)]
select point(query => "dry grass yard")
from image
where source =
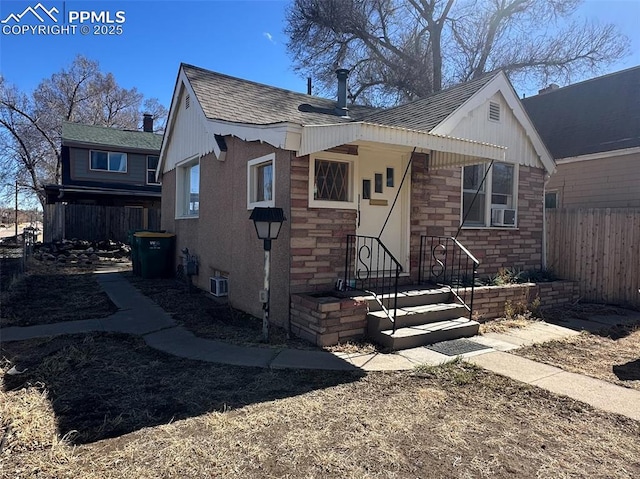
[(107, 406), (51, 293), (611, 354)]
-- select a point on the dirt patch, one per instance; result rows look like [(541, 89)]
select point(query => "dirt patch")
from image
[(211, 318), (154, 415), (51, 292), (611, 354)]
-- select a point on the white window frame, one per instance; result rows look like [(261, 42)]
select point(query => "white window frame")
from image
[(252, 181), (352, 202), (557, 195), (109, 153), (153, 183), (488, 192), (183, 193)]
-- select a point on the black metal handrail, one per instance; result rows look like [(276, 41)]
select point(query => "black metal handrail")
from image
[(370, 267), (445, 261)]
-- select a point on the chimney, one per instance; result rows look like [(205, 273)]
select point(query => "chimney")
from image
[(342, 75), (147, 123), (551, 87)]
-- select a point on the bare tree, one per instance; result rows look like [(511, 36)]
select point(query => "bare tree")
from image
[(399, 50), (31, 124)]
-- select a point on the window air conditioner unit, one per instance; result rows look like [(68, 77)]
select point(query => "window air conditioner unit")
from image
[(503, 217), (219, 286)]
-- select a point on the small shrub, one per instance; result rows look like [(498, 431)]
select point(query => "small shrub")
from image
[(522, 309), (516, 275)]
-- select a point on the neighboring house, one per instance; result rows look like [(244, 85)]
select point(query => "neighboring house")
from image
[(111, 173), (592, 129), (338, 170)]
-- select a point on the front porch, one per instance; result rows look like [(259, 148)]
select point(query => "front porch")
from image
[(335, 317)]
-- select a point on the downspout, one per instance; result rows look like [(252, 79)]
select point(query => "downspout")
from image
[(547, 177)]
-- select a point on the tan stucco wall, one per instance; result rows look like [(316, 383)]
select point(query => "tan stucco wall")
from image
[(223, 236), (602, 183)]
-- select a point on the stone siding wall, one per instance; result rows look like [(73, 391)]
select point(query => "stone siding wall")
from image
[(436, 211), (328, 320), (489, 301), (318, 236)]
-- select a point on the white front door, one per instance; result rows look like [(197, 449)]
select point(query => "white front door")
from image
[(380, 173)]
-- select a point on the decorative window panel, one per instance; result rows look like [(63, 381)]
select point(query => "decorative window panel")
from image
[(331, 181)]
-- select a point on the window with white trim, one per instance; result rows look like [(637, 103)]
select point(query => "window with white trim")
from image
[(551, 200), (332, 179), (108, 161), (261, 181), (152, 165), (188, 189), (492, 202)]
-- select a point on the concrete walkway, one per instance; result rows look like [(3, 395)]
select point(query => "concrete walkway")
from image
[(139, 315)]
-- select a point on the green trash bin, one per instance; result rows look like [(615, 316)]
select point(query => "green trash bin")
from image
[(135, 256), (155, 253)]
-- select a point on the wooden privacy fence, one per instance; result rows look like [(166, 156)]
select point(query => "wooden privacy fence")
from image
[(599, 248), (96, 223)]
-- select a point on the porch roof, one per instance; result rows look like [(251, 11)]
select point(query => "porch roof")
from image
[(446, 151)]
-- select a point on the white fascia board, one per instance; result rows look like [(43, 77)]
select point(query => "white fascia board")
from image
[(599, 155), (500, 83), (181, 82), (280, 135), (317, 138)]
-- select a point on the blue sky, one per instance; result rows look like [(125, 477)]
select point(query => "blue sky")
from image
[(239, 38)]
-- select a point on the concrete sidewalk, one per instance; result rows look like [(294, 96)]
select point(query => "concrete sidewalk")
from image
[(139, 315)]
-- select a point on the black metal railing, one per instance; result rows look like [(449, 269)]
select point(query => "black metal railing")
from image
[(370, 267), (445, 261)]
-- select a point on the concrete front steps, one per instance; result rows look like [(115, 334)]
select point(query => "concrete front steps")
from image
[(424, 316)]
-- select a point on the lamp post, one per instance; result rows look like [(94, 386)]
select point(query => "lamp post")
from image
[(268, 222)]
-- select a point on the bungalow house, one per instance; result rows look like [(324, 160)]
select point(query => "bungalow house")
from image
[(592, 129), (108, 183), (372, 197)]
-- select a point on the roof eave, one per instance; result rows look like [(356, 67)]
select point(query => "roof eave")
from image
[(317, 138)]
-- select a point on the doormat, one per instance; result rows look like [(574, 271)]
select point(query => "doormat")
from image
[(456, 347)]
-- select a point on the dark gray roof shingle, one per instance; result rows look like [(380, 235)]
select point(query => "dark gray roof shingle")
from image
[(110, 137), (241, 101), (428, 112), (597, 115)]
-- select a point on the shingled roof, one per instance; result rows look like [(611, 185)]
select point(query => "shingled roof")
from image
[(428, 112), (594, 116), (242, 101), (110, 137)]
